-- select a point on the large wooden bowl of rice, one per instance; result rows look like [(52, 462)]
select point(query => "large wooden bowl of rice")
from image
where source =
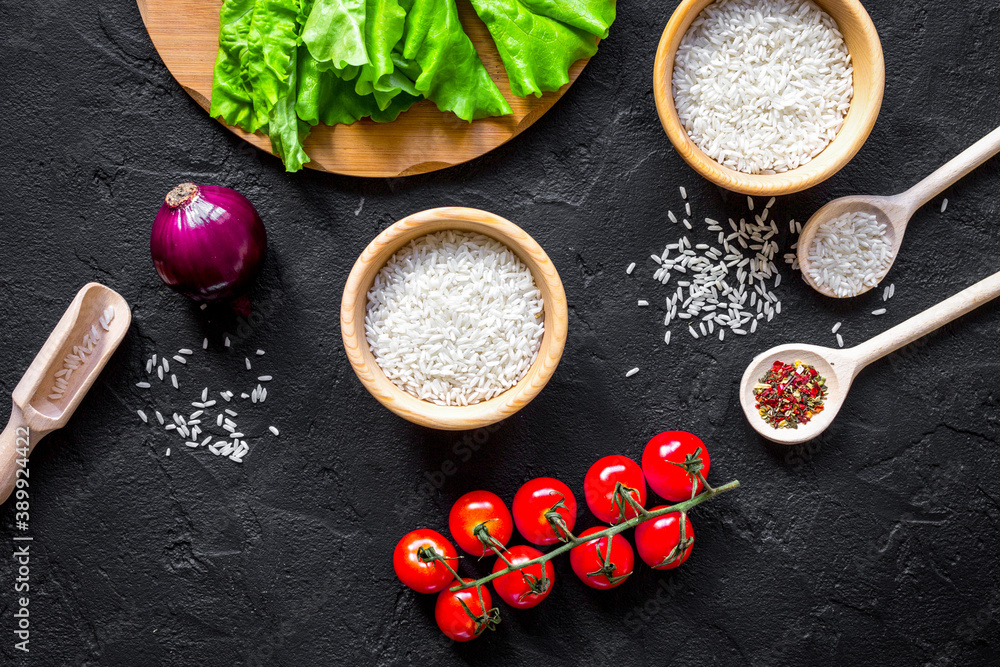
[(744, 112), (408, 232)]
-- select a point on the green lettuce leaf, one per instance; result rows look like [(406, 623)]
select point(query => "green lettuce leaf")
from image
[(335, 33), (384, 24), (450, 72), (269, 60), (593, 16), (538, 50), (230, 99), (399, 104), (287, 132), (324, 97)]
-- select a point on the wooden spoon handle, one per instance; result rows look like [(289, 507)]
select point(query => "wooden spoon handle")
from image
[(16, 443), (927, 321), (949, 174)]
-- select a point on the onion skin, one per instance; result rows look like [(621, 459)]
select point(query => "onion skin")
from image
[(208, 242)]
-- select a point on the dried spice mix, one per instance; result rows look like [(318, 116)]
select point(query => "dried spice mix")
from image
[(790, 394)]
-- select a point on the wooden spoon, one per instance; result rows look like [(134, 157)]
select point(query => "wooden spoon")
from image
[(840, 367), (42, 403), (895, 212)]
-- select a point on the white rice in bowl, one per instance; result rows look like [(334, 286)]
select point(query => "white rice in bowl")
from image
[(454, 318), (762, 86)]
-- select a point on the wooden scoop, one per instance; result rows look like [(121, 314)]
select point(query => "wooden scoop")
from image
[(59, 377), (840, 367), (894, 212)]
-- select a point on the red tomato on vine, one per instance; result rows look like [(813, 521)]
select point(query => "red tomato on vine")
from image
[(598, 567), (481, 523), (538, 504), (600, 484), (414, 566), (659, 540), (528, 586), (667, 460), (465, 614)]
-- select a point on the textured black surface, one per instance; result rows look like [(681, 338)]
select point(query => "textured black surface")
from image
[(877, 544)]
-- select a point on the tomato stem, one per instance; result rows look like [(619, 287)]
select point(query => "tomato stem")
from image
[(607, 566), (536, 586), (681, 507), (487, 620), (558, 523), (693, 465), (430, 554), (623, 495), (682, 545), (490, 543), (701, 478)]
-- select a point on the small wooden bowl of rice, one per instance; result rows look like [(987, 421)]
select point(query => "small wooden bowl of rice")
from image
[(459, 306), (768, 97)]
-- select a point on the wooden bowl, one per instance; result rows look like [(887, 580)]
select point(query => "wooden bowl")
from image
[(869, 84), (354, 305)]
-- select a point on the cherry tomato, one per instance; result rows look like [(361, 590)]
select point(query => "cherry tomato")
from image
[(657, 539), (599, 486), (589, 561), (484, 513), (533, 500), (668, 480), (519, 589), (455, 621), (423, 576)]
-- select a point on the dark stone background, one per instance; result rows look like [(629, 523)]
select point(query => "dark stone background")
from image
[(877, 544)]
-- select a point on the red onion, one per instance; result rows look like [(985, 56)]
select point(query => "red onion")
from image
[(208, 242)]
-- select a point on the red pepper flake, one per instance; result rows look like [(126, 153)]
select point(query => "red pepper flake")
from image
[(790, 394)]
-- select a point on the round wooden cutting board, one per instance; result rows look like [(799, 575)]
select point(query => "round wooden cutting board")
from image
[(185, 33)]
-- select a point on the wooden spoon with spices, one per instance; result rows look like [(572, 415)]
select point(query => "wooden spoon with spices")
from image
[(60, 376), (894, 212), (840, 367)]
